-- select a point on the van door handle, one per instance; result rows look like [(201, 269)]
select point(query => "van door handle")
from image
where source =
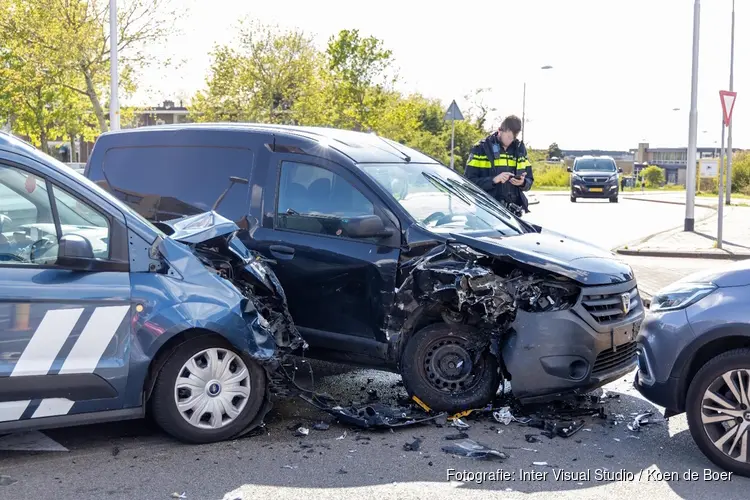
[(282, 252)]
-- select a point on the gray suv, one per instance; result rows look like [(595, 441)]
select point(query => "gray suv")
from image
[(594, 177), (694, 357)]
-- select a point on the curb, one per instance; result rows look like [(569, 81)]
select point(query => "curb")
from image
[(666, 202), (685, 254)]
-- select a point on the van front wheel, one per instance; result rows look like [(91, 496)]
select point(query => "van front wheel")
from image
[(444, 367)]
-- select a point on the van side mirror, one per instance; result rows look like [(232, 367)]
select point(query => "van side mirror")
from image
[(570, 170), (75, 252), (366, 226), (619, 170)]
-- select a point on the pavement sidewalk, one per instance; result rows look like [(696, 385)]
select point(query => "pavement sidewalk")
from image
[(701, 243)]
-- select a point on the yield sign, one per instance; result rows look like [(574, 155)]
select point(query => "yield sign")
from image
[(453, 113), (727, 104)]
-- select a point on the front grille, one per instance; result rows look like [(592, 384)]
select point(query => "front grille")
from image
[(610, 307), (612, 359)]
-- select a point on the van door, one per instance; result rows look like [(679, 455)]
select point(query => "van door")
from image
[(339, 287), (64, 333)]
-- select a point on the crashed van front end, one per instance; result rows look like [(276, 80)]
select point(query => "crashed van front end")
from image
[(203, 280), (558, 315)]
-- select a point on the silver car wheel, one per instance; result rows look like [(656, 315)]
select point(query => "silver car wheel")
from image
[(725, 413), (212, 388)]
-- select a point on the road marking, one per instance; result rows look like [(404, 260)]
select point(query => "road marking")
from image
[(94, 339), (53, 406), (46, 342)]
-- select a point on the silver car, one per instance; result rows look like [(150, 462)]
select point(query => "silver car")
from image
[(694, 357)]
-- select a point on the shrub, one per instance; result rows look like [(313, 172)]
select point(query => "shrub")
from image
[(654, 176), (741, 172), (551, 176)]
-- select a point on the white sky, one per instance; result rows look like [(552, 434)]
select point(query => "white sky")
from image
[(619, 66)]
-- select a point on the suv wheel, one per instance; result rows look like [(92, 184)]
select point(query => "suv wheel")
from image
[(572, 198), (207, 391), (614, 199), (440, 367), (718, 410)]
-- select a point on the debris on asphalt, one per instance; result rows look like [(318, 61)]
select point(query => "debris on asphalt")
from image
[(503, 415), (321, 426), (571, 429), (455, 437), (531, 438), (301, 431), (285, 467), (540, 464), (530, 449), (373, 416), (471, 449), (178, 495), (413, 446), (459, 424), (609, 456), (372, 396), (640, 420), (343, 436), (7, 480), (342, 471)]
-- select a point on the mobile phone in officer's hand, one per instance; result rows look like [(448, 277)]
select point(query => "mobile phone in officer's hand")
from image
[(518, 177)]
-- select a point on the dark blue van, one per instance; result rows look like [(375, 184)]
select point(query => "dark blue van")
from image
[(391, 260)]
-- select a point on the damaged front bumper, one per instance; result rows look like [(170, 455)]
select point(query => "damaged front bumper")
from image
[(551, 353)]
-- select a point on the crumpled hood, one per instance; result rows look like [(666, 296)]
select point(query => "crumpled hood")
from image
[(200, 228), (574, 259), (735, 274)]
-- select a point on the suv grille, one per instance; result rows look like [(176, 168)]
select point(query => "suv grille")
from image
[(611, 307), (610, 359)]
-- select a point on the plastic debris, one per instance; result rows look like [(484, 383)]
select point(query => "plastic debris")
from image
[(413, 446), (503, 415), (321, 426), (571, 429), (343, 436), (284, 467), (456, 437), (373, 416), (459, 424), (178, 495), (640, 420), (472, 449), (302, 431), (531, 438), (540, 464), (7, 480), (342, 471)]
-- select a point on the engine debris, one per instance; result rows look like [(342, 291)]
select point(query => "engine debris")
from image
[(374, 416), (640, 420), (471, 449)]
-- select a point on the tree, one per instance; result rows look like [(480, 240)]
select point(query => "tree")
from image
[(554, 151), (261, 80), (741, 172), (70, 40), (654, 176)]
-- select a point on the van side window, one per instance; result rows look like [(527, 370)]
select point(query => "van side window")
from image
[(27, 228), (314, 200), (77, 217), (163, 183)]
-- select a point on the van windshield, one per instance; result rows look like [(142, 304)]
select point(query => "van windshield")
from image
[(441, 200), (595, 165)]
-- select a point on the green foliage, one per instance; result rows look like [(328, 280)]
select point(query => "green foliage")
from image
[(654, 176), (741, 173), (554, 151), (278, 76), (551, 176)]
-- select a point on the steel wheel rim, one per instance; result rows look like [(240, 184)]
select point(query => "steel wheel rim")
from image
[(448, 365), (725, 413), (212, 388)]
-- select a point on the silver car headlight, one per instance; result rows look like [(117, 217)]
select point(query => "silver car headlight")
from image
[(680, 295)]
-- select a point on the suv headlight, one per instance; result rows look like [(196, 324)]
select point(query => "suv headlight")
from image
[(613, 178), (680, 296), (577, 177)]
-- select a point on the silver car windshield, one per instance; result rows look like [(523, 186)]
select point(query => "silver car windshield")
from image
[(441, 200)]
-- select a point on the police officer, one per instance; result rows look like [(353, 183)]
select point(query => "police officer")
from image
[(499, 165)]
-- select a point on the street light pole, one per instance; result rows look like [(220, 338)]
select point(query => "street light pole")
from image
[(692, 133), (114, 103), (729, 133), (523, 112)]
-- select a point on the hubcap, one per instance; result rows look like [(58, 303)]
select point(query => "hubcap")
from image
[(725, 415), (212, 388), (449, 367)]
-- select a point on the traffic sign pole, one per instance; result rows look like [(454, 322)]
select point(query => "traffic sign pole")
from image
[(728, 99), (453, 114), (453, 141)]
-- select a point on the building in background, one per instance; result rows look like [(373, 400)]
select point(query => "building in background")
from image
[(166, 114), (672, 160)]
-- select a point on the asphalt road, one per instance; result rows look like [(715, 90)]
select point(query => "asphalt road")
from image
[(134, 460)]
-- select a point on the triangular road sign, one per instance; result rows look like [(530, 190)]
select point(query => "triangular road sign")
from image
[(453, 112), (727, 104)]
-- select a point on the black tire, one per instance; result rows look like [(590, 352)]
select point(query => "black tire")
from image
[(572, 198), (421, 381), (730, 360), (614, 199), (164, 408)]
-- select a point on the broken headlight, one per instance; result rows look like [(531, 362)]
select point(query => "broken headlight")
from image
[(680, 295)]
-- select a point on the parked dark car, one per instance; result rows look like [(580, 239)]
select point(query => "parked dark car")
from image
[(391, 260), (694, 357), (594, 177)]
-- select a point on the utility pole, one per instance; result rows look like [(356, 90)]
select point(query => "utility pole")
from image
[(693, 130), (114, 84), (729, 133)]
